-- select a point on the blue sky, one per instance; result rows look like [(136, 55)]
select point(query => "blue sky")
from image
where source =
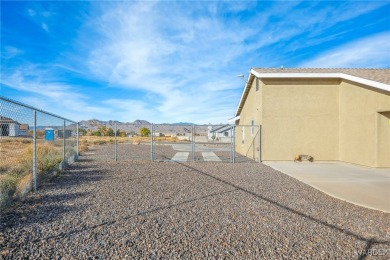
[(174, 61)]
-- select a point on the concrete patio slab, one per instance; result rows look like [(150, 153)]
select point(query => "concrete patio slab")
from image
[(180, 157), (200, 148), (363, 186), (210, 157)]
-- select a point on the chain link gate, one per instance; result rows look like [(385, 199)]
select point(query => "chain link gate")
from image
[(178, 142)]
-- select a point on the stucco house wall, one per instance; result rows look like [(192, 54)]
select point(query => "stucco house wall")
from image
[(360, 122), (300, 116), (246, 136), (329, 118)]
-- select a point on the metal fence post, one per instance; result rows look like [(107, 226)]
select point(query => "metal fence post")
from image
[(193, 143), (234, 145), (116, 146), (63, 144), (151, 144), (259, 143), (35, 151), (77, 139)]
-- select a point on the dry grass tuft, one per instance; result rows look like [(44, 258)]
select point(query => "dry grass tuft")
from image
[(16, 165)]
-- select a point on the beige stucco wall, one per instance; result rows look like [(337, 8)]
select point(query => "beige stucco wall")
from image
[(251, 111), (329, 119), (383, 140), (300, 116), (362, 128)]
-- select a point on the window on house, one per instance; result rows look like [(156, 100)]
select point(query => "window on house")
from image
[(257, 84), (243, 134), (252, 127)]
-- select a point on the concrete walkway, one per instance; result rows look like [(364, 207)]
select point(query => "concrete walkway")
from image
[(210, 157), (201, 148), (180, 157), (363, 186)]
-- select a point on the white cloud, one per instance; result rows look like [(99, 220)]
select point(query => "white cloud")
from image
[(370, 52), (141, 48), (46, 93), (45, 27), (181, 58), (31, 12), (128, 110), (10, 52)]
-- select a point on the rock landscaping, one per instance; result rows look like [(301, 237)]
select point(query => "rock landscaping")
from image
[(103, 209)]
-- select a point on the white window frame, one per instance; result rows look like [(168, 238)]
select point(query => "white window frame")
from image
[(243, 134)]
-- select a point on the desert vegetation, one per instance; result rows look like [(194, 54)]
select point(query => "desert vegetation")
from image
[(86, 141), (16, 164)]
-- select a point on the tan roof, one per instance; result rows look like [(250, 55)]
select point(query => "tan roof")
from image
[(379, 75)]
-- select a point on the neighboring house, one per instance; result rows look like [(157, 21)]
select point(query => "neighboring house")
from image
[(219, 132), (10, 127), (330, 114), (68, 133)]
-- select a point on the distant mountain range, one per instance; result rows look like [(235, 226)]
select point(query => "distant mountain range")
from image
[(96, 122), (175, 128)]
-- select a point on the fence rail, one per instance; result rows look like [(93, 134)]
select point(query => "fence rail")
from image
[(37, 144), (34, 144), (172, 142)]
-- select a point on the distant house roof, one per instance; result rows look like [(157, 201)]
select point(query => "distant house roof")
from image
[(7, 120), (221, 129), (376, 78)]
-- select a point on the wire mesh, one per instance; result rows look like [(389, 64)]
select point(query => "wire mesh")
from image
[(173, 142), (49, 146), (31, 148), (134, 141), (213, 143), (16, 146), (247, 143)]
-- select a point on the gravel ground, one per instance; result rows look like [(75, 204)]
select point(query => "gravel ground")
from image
[(133, 209), (128, 151)]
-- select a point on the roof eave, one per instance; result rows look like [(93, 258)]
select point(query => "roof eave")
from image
[(245, 92), (253, 73)]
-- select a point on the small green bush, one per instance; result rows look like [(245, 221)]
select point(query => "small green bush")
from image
[(8, 185)]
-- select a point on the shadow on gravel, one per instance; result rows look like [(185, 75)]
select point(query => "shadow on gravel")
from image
[(71, 178), (46, 207), (161, 175), (38, 208), (82, 159), (107, 223), (369, 242)]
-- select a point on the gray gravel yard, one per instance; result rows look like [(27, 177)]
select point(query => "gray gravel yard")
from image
[(133, 209)]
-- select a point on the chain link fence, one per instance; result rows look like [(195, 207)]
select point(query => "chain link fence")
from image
[(247, 143), (34, 145), (173, 142)]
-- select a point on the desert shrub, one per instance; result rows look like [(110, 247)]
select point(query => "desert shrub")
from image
[(144, 131), (48, 159), (26, 141), (8, 184), (96, 133), (83, 146), (99, 142)]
